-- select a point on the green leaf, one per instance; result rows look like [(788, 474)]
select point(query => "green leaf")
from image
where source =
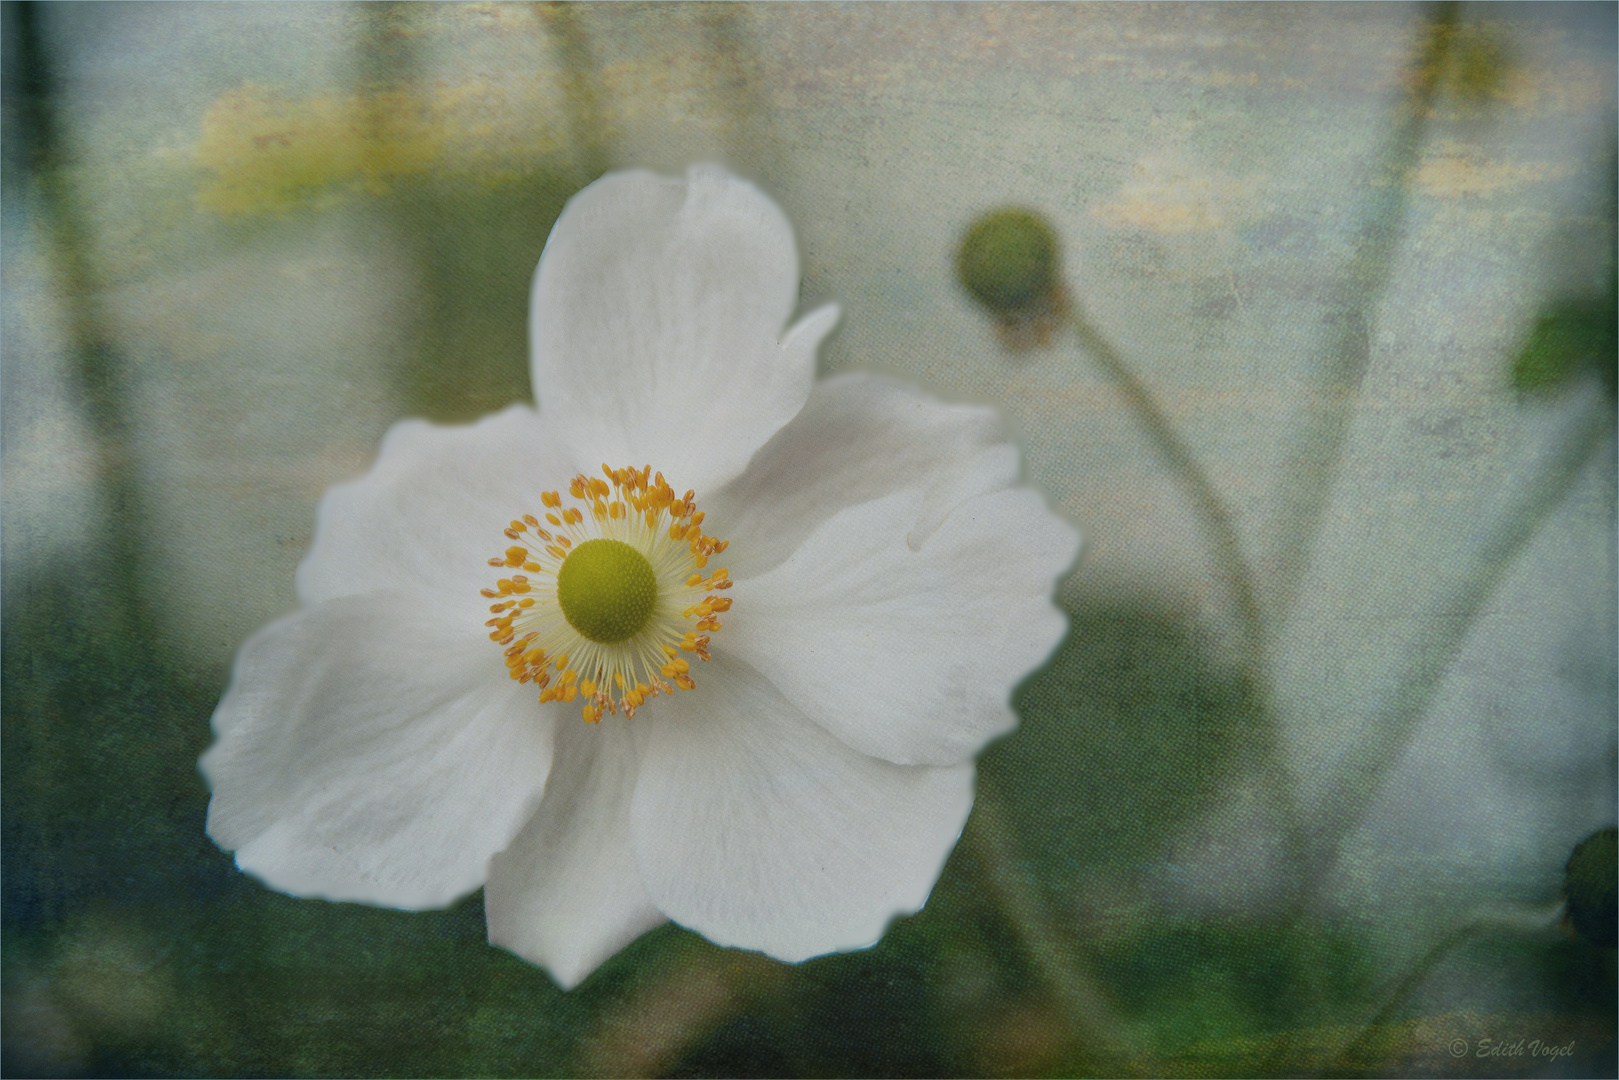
[(1131, 731), (1568, 338)]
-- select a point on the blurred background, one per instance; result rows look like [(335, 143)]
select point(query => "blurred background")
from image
[(1296, 796)]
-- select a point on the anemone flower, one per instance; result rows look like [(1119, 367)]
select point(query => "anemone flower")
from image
[(700, 638)]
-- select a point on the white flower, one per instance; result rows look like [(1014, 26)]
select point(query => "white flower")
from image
[(797, 766)]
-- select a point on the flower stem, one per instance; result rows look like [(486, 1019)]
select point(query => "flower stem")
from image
[(1095, 1025), (747, 120), (671, 1012), (1210, 509), (1349, 1058), (97, 368), (1309, 475), (1390, 732), (1215, 520)]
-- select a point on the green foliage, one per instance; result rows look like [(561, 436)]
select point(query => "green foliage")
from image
[(1218, 981), (1568, 338), (1132, 729), (474, 247)]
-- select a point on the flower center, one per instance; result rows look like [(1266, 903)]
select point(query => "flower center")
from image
[(606, 590), (612, 593)]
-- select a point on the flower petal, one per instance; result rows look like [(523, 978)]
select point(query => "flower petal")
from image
[(368, 749), (859, 437), (657, 324), (910, 655), (432, 509), (566, 894), (756, 828)]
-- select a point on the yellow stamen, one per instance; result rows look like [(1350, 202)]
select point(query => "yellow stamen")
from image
[(545, 647)]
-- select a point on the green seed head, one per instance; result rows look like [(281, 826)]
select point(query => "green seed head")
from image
[(606, 590), (1008, 261)]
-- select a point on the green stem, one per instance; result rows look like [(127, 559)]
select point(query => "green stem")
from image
[(1308, 476), (1216, 523), (748, 127), (1391, 731), (1093, 1020), (97, 368), (1347, 1058), (1207, 505)]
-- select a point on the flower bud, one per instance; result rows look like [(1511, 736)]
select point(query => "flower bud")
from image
[(1591, 890), (1008, 262)]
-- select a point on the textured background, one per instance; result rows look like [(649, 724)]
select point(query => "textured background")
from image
[(240, 240)]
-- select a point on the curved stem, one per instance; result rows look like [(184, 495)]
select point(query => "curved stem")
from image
[(1017, 897), (1308, 476), (1210, 509), (1346, 1058), (1394, 728), (1216, 522), (1391, 731)]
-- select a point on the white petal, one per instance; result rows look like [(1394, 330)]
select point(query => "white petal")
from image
[(658, 321), (756, 828), (566, 894), (858, 438), (432, 510), (910, 655), (369, 749)]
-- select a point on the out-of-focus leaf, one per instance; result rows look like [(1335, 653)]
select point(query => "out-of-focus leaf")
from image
[(1192, 982), (1129, 732), (1568, 338)]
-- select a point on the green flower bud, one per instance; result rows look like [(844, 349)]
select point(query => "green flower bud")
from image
[(1592, 888), (1008, 262)]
